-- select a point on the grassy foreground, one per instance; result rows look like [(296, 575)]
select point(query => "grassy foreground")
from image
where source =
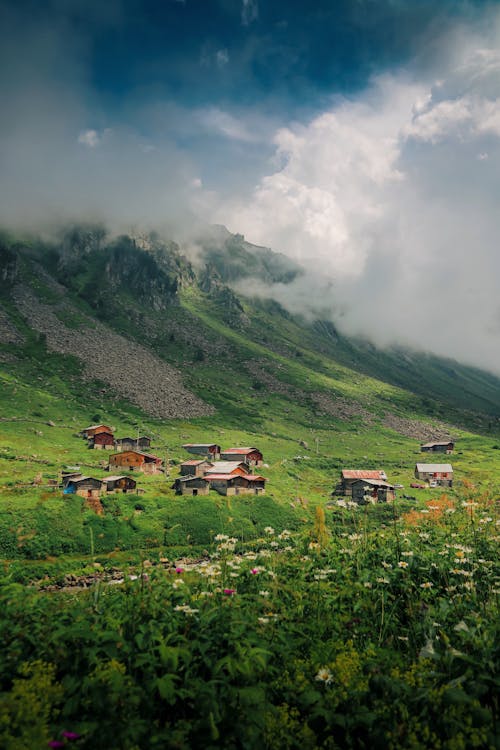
[(341, 637)]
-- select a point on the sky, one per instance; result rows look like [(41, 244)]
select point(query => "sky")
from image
[(359, 137)]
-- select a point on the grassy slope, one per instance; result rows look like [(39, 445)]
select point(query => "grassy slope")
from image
[(39, 387)]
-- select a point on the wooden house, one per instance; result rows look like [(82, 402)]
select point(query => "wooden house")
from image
[(193, 485), (130, 443), (119, 483), (95, 429), (195, 467), (67, 476), (372, 490), (251, 456), (236, 484), (439, 474), (228, 467), (136, 461), (349, 476), (83, 486), (211, 451), (443, 446), (102, 441)]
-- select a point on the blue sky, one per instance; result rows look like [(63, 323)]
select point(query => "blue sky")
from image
[(359, 137)]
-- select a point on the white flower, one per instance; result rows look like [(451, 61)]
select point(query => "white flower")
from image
[(402, 564), (324, 675), (269, 530), (264, 593), (177, 583), (426, 585)]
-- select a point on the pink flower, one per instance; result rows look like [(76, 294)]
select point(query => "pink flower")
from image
[(229, 592), (56, 743), (254, 571), (71, 735), (179, 570)]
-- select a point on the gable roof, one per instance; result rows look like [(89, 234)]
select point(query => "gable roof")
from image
[(137, 453), (95, 426), (226, 467), (435, 467), (377, 483), (363, 474)]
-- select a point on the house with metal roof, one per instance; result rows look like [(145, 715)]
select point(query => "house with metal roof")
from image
[(440, 474), (228, 467), (442, 446), (349, 476)]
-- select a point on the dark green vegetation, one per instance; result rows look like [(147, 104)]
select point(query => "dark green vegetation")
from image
[(330, 639), (121, 665)]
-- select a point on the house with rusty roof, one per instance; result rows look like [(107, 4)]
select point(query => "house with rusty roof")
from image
[(349, 476), (440, 475), (95, 429), (251, 456), (136, 461)]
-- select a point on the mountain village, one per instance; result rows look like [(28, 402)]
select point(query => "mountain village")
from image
[(230, 471)]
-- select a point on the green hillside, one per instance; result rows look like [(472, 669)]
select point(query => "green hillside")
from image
[(246, 373)]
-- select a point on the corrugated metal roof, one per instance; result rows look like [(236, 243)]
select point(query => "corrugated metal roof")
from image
[(227, 477), (435, 467), (254, 478), (95, 426), (363, 474), (115, 479), (195, 462), (377, 483), (226, 467)]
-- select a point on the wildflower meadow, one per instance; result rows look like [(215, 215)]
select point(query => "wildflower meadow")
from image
[(342, 636)]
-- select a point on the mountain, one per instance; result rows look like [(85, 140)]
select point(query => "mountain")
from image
[(143, 300), (129, 331)]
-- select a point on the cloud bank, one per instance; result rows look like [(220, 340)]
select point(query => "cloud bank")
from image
[(390, 201), (387, 197)]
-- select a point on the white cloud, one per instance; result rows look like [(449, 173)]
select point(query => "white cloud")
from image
[(89, 138), (389, 200), (225, 124)]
